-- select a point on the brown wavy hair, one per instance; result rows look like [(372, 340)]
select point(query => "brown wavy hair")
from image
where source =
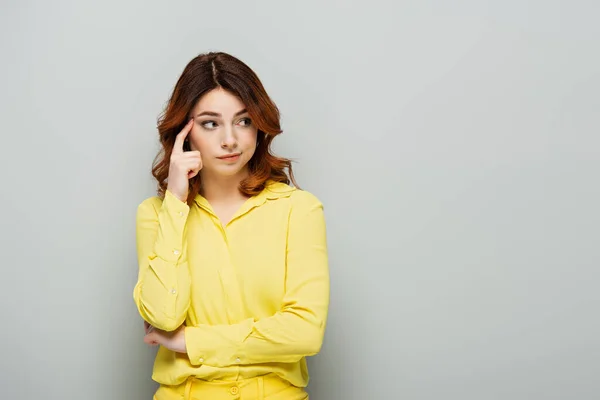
[(202, 74)]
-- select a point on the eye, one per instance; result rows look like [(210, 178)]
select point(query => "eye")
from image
[(209, 124), (245, 122)]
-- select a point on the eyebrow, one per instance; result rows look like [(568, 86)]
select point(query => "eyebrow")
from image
[(215, 114)]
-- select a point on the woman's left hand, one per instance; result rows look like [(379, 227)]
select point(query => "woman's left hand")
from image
[(174, 341)]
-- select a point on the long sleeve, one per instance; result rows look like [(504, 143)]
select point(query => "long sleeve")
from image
[(297, 329), (162, 292)]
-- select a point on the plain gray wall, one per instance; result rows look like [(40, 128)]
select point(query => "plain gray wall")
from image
[(454, 144)]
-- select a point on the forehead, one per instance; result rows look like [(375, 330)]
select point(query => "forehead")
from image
[(219, 101)]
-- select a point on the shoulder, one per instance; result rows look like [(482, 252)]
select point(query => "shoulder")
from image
[(304, 200), (149, 206), (299, 199), (155, 203)]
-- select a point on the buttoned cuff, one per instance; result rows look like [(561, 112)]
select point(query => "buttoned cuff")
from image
[(217, 345)]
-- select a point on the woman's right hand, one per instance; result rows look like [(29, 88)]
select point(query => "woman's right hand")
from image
[(183, 166)]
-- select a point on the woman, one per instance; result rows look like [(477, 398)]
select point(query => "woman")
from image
[(233, 278)]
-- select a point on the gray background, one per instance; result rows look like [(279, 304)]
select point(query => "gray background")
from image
[(454, 144)]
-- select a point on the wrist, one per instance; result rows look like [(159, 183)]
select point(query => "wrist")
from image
[(183, 341), (178, 196)]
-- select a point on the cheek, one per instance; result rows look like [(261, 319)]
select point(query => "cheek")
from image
[(249, 139), (199, 142)]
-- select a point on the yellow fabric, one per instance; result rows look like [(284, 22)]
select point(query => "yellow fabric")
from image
[(253, 294), (269, 387)]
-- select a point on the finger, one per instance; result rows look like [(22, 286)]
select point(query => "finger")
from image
[(191, 154), (191, 165), (188, 155), (180, 138), (189, 161), (192, 172), (184, 158), (151, 338)]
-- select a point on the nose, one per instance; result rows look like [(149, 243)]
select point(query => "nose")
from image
[(229, 140)]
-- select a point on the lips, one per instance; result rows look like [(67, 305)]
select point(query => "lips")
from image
[(232, 156)]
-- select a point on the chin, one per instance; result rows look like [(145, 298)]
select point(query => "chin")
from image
[(228, 171)]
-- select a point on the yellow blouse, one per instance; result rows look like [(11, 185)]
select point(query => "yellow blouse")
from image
[(253, 294)]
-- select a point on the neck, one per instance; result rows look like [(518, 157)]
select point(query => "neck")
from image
[(220, 188)]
